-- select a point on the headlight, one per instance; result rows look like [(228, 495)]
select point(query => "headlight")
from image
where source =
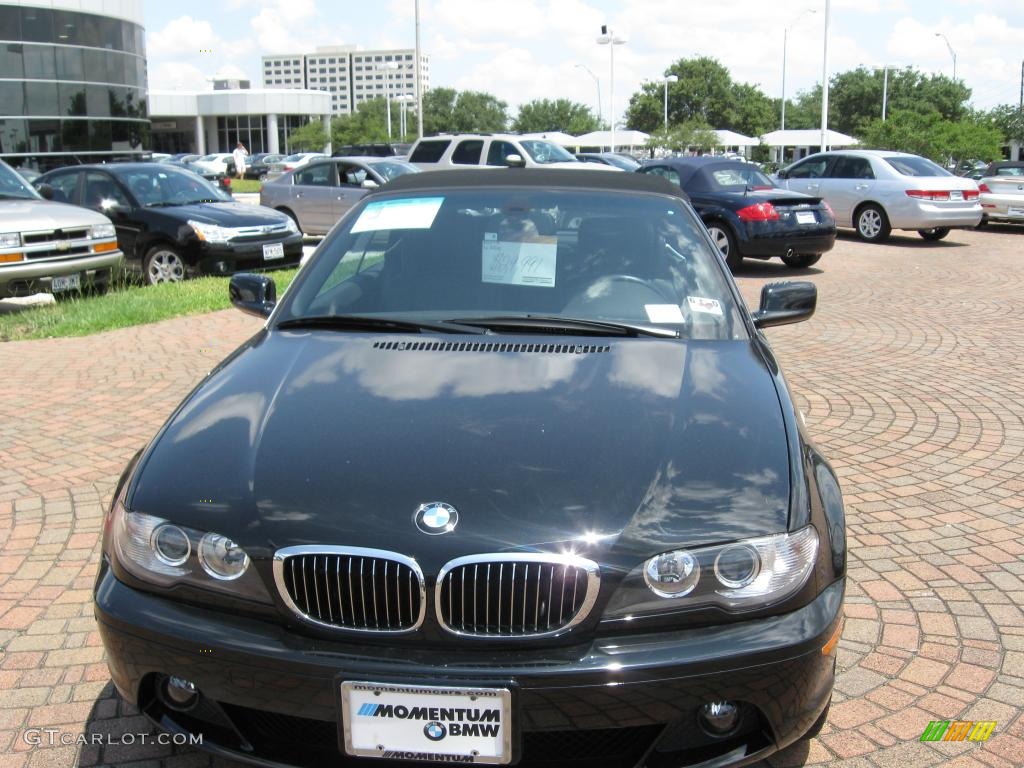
[(159, 552), (10, 239), (211, 233), (738, 576), (102, 231)]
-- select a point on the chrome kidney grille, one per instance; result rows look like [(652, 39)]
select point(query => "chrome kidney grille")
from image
[(367, 590), (515, 595)]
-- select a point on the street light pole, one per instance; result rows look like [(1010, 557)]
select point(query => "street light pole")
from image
[(419, 78), (885, 89), (951, 52), (609, 38), (668, 79), (597, 83), (824, 80), (785, 36), (387, 68)]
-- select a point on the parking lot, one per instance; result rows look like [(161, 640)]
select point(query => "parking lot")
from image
[(910, 377)]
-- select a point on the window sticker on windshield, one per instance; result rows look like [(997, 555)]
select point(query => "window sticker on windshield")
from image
[(708, 306), (530, 261), (664, 313), (413, 213)]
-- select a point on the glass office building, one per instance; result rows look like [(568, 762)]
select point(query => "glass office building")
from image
[(72, 82)]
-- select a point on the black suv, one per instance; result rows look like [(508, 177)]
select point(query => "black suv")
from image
[(173, 224), (371, 150)]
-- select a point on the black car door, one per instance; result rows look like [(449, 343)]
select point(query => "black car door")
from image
[(101, 192)]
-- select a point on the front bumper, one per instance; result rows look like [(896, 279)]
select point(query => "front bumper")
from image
[(23, 278), (271, 697), (228, 258)]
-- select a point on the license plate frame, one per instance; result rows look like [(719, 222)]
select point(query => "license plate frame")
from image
[(956, 195), (273, 251), (62, 283), (806, 217), (365, 733), (1014, 211)]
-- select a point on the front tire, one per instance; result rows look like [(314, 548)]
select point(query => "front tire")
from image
[(933, 234), (872, 224), (163, 264), (726, 243), (801, 260)]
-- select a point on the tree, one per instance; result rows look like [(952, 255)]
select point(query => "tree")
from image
[(310, 137), (689, 135), (1009, 119), (446, 110), (367, 125), (555, 115), (932, 136)]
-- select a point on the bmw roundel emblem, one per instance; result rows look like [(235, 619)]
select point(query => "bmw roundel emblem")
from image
[(435, 731), (436, 517)]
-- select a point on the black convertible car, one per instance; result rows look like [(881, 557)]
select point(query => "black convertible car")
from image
[(746, 215), (509, 476), (172, 224)]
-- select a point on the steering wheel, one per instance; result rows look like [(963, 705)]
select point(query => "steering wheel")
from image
[(635, 293)]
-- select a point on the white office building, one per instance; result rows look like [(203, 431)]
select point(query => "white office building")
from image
[(349, 74)]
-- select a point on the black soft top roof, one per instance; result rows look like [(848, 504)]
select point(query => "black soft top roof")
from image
[(540, 178)]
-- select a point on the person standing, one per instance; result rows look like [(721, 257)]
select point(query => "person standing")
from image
[(239, 156)]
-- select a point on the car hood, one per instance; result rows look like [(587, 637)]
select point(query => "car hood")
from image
[(614, 449), (25, 215), (225, 214)]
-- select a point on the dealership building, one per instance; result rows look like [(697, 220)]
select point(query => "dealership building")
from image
[(72, 81)]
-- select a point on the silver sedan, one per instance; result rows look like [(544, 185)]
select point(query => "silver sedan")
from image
[(319, 193), (876, 191), (1002, 192)]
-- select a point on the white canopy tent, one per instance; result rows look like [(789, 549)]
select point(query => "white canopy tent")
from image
[(803, 142), (732, 139), (631, 139), (555, 137)]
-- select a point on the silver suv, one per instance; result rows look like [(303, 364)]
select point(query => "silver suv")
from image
[(51, 247), (483, 150), (876, 191)]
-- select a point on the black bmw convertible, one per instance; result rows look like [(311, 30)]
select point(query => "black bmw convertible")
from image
[(510, 475), (746, 215)]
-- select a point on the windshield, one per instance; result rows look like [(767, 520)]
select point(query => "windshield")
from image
[(619, 161), (12, 185), (916, 166), (544, 152), (498, 252), (391, 169), (1010, 170), (165, 186)]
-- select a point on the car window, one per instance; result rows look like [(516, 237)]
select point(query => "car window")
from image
[(13, 185), (351, 175), (738, 179), (429, 151), (544, 152), (664, 171), (390, 169), (813, 168), (618, 161), (458, 253), (1010, 171), (315, 175), (499, 151), (162, 185), (467, 152), (101, 191), (916, 166), (848, 167), (64, 184)]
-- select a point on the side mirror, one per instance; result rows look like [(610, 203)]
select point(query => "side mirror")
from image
[(46, 191), (780, 174), (253, 294), (515, 161), (369, 184), (785, 303)]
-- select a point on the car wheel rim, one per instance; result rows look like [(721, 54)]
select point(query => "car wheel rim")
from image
[(870, 223), (166, 267), (721, 240)]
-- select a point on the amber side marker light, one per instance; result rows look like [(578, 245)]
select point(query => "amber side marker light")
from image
[(101, 247), (833, 642), (7, 258)]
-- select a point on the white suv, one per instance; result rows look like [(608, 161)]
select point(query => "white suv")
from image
[(483, 150)]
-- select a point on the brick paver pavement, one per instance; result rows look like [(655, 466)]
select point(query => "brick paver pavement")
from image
[(911, 379)]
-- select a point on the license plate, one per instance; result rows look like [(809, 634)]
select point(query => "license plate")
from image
[(1015, 211), (426, 723), (956, 194), (805, 217), (273, 251), (66, 283)]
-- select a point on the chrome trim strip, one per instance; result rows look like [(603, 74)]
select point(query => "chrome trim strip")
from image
[(281, 555), (592, 570)]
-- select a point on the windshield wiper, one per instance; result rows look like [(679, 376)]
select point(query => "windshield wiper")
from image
[(363, 322), (577, 326)]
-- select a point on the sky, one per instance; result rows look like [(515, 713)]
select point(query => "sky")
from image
[(521, 50)]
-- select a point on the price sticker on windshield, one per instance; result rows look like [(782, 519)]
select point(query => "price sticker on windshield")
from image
[(411, 213), (530, 261)]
